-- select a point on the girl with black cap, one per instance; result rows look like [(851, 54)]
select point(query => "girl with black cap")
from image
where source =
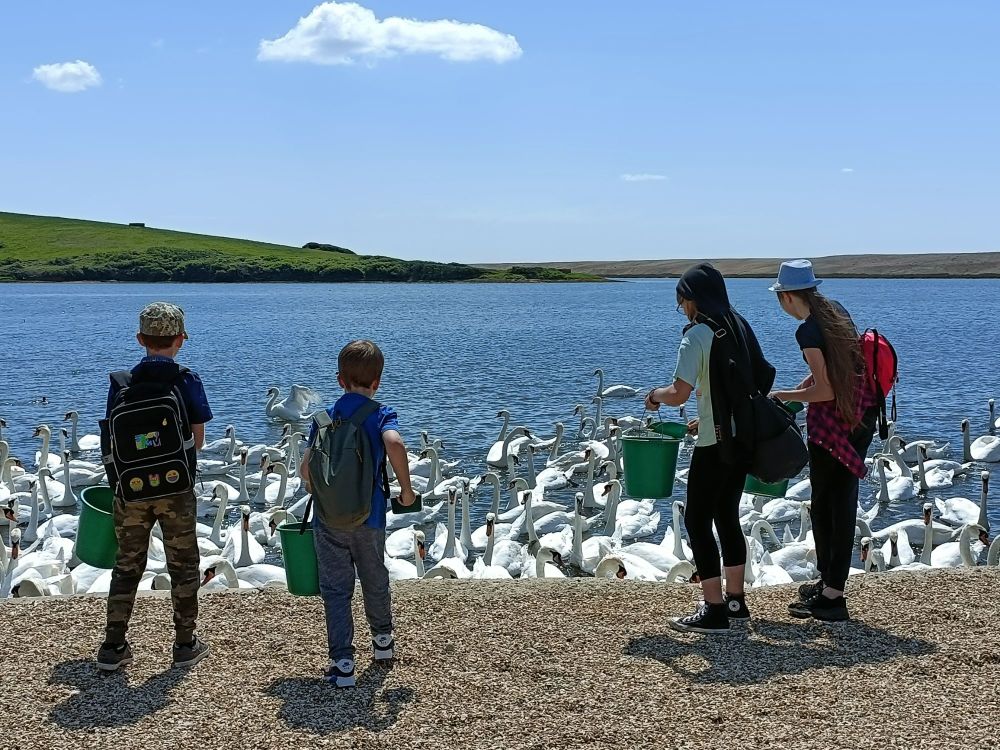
[(719, 354)]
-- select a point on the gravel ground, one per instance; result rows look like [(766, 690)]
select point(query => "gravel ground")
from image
[(540, 664)]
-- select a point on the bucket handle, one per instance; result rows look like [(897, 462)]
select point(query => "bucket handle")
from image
[(305, 515)]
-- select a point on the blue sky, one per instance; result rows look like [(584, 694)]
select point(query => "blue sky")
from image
[(771, 128)]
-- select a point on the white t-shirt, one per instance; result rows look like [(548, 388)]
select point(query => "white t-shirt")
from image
[(692, 368)]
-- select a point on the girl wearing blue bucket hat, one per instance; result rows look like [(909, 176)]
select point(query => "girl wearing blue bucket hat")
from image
[(719, 354), (840, 421)]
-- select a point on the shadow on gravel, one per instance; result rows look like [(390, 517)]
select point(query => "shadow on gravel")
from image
[(768, 648), (108, 700), (311, 703)]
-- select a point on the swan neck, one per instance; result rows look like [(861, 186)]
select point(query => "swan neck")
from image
[(418, 562), (578, 539), (466, 522), (554, 453), (488, 555), (220, 514), (532, 476), (449, 547), (506, 424), (965, 547), (529, 518), (925, 553), (244, 546), (74, 443), (612, 510), (495, 505)]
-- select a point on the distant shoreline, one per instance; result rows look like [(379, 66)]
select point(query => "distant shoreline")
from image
[(912, 266)]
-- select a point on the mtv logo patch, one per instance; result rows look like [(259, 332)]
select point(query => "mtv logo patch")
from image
[(147, 440)]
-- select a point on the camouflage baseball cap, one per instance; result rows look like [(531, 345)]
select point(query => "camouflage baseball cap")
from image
[(162, 319)]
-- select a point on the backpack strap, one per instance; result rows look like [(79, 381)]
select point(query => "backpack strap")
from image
[(359, 418), (322, 419)]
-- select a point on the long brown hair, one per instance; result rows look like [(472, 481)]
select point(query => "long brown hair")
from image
[(844, 361)]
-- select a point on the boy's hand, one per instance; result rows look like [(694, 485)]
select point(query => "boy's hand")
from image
[(693, 426), (651, 403), (407, 497)]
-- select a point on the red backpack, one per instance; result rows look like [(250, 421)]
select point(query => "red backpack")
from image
[(882, 365)]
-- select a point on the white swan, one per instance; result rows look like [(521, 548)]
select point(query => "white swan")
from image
[(77, 476), (798, 559), (994, 420), (613, 391), (959, 511), (633, 525), (549, 478), (511, 444), (897, 550), (546, 562), (500, 530), (446, 545), (483, 567), (962, 553), (403, 570), (43, 457), (899, 488), (276, 493), (674, 538), (298, 406), (224, 448), (80, 443), (241, 548), (932, 478), (985, 448)]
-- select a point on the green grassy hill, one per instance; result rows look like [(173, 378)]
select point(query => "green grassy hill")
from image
[(45, 248)]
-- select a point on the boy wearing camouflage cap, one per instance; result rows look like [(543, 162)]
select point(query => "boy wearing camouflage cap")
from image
[(162, 334)]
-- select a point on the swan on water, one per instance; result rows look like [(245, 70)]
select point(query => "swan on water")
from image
[(78, 443), (43, 457), (985, 448), (933, 478), (241, 548), (298, 406), (516, 439), (962, 553), (483, 567), (959, 511), (613, 391), (446, 545)]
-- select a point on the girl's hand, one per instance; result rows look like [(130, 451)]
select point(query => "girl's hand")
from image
[(651, 403), (780, 395)]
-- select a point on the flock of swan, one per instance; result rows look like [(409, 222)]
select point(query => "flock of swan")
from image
[(555, 507)]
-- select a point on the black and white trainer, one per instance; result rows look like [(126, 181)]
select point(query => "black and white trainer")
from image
[(340, 673), (708, 618), (384, 647), (808, 590), (736, 607)]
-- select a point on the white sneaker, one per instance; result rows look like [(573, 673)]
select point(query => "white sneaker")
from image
[(384, 647), (340, 673)]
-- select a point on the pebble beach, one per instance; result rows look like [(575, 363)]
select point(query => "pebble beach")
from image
[(542, 664)]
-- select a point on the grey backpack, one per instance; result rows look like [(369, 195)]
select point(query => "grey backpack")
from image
[(342, 469)]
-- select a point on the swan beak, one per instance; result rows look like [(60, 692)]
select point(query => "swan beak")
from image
[(421, 550), (209, 575), (606, 491), (984, 537), (621, 572), (69, 415)]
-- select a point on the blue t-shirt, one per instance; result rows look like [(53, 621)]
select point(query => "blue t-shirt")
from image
[(192, 391), (382, 420)]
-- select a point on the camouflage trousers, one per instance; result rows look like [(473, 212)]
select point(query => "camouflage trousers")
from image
[(133, 524)]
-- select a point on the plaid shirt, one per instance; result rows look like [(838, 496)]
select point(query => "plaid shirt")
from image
[(828, 430)]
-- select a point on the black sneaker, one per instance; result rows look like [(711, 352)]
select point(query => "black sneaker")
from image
[(340, 673), (822, 608), (708, 618), (111, 656), (189, 654), (808, 590), (736, 607), (384, 647)]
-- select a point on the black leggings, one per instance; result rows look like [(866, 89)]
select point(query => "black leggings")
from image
[(713, 495), (833, 512)]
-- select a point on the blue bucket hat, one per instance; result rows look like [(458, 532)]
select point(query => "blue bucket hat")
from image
[(794, 276)]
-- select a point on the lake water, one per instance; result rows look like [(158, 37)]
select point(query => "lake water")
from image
[(456, 354)]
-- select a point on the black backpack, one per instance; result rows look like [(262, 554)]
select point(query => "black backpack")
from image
[(146, 441)]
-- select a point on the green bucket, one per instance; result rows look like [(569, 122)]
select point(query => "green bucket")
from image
[(301, 570), (96, 543), (650, 458), (754, 486)]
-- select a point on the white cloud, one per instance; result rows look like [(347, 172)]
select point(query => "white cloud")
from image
[(847, 170), (643, 177), (341, 33), (67, 77)]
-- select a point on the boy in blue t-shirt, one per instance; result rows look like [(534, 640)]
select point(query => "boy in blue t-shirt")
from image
[(341, 553)]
